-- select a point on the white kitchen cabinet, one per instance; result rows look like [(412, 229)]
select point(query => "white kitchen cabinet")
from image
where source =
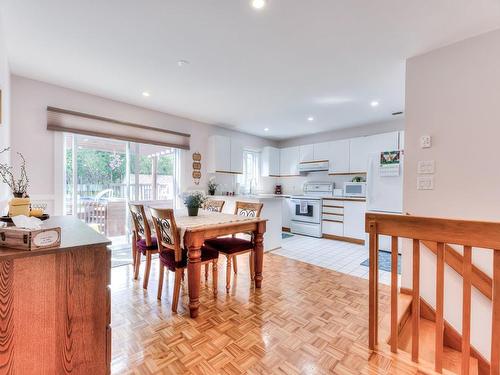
[(289, 161), (354, 219), (332, 228), (225, 155), (322, 151), (236, 156), (270, 162), (358, 155), (338, 155), (306, 153), (286, 214), (382, 142)]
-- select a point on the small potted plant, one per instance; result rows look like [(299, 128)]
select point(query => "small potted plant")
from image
[(20, 204), (212, 186), (193, 201)]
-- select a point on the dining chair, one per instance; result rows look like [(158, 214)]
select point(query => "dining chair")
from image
[(231, 247), (173, 257), (143, 243), (214, 205)]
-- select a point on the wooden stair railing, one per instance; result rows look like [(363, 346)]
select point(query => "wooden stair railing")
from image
[(441, 231)]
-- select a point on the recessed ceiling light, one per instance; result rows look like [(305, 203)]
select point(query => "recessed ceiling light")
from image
[(310, 119), (374, 103), (266, 129), (182, 63), (146, 94), (258, 4)]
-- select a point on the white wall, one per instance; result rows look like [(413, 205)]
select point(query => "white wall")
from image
[(453, 94), (30, 99), (5, 123)]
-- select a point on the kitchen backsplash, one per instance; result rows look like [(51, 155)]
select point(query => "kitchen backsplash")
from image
[(290, 185)]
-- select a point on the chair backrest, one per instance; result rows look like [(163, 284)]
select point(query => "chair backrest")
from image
[(214, 205), (166, 231), (248, 209), (141, 225)]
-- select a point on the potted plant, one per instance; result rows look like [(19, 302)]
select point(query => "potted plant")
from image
[(20, 204), (212, 186), (193, 201)]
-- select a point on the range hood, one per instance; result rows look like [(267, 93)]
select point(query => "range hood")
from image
[(313, 166)]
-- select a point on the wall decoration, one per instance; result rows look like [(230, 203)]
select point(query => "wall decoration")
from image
[(197, 168), (389, 163)]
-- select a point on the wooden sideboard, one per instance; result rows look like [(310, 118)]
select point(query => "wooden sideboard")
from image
[(55, 305)]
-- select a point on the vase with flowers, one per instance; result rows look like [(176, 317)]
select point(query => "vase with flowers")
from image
[(20, 204), (194, 200)]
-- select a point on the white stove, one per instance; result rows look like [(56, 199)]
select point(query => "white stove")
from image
[(307, 208)]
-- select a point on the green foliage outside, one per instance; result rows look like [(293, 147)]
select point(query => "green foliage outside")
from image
[(102, 168)]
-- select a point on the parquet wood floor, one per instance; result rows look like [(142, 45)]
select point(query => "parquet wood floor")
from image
[(305, 320)]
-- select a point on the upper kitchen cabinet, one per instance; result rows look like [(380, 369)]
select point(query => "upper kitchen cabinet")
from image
[(306, 153), (322, 151), (270, 162), (338, 152), (289, 161), (236, 156), (358, 155), (225, 155)]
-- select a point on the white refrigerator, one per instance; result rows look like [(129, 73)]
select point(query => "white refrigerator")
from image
[(384, 191)]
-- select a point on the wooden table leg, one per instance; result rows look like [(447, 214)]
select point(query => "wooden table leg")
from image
[(259, 252), (194, 243)]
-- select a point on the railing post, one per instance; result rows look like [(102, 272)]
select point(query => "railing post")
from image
[(373, 288), (495, 325), (438, 362), (466, 309), (394, 295), (415, 301)]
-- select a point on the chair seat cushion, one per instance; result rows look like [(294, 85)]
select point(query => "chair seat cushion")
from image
[(229, 245), (143, 247), (168, 257)]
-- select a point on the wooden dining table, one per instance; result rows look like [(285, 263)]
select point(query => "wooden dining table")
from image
[(195, 230)]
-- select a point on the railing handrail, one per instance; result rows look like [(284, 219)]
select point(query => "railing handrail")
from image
[(483, 234)]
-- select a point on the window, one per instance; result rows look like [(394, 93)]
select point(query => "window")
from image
[(249, 180)]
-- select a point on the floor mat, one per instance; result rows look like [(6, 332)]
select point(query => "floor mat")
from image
[(285, 235), (384, 261)]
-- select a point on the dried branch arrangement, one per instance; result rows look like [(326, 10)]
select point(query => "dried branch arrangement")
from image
[(18, 186)]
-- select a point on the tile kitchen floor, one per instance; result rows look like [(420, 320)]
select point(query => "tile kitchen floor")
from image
[(339, 256)]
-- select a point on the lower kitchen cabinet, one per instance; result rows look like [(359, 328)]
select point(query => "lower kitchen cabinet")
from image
[(354, 219), (333, 228)]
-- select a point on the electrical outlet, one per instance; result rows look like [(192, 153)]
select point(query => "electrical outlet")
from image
[(425, 183), (425, 141), (426, 166)]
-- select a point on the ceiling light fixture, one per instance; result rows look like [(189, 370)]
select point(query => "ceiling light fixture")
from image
[(146, 94), (310, 119), (266, 129), (374, 103), (182, 63), (258, 4)]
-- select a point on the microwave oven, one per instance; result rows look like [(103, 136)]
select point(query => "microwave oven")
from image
[(354, 189)]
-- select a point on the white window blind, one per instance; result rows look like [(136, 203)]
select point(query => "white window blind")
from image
[(68, 121)]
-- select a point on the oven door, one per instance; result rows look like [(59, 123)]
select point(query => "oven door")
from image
[(306, 210)]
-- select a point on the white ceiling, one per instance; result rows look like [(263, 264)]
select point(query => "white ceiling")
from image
[(248, 69)]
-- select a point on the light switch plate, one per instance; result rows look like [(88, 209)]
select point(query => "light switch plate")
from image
[(425, 141), (426, 166), (425, 183)]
